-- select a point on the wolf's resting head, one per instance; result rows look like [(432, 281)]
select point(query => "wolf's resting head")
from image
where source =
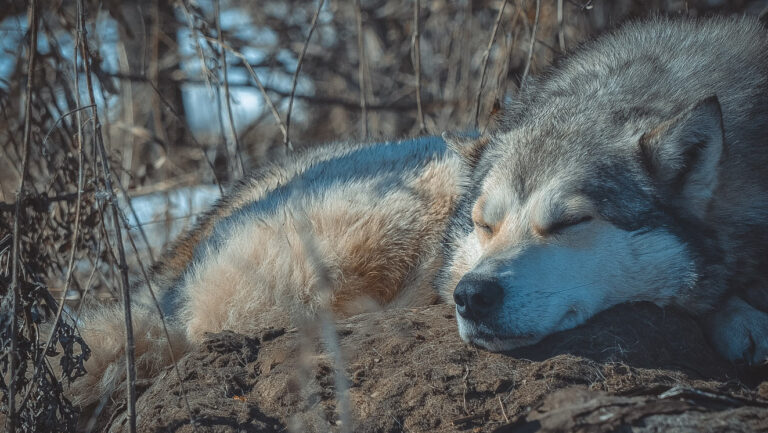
[(604, 184)]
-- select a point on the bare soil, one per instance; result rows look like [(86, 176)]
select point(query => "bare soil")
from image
[(636, 368)]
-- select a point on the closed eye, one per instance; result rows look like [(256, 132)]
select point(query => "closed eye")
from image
[(563, 224), (487, 229)]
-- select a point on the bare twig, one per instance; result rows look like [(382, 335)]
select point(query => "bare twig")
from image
[(312, 26), (261, 87), (416, 53), (41, 200), (142, 232), (361, 68), (266, 97), (315, 99), (165, 330), (486, 55), (510, 44), (466, 388), (68, 113), (88, 282), (75, 231), (197, 143), (200, 54), (227, 96), (15, 289), (503, 412), (129, 341), (533, 44), (560, 33)]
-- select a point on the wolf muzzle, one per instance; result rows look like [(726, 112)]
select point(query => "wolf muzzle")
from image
[(476, 297)]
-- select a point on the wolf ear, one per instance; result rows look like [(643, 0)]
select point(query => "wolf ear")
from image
[(683, 153), (469, 148)]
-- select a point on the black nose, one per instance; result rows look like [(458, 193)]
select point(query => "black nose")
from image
[(476, 297)]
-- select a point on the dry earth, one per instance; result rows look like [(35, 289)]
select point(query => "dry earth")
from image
[(632, 369)]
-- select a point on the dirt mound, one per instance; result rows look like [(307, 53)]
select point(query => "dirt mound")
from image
[(634, 368)]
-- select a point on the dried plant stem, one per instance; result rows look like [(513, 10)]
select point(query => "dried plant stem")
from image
[(165, 330), (88, 283), (73, 243), (129, 341), (486, 56), (560, 33), (41, 200), (197, 143), (200, 55), (324, 100), (501, 404), (287, 141), (15, 254), (261, 87), (361, 68), (80, 162), (142, 232), (228, 98), (533, 44), (416, 52)]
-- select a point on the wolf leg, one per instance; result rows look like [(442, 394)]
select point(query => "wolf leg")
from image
[(739, 331)]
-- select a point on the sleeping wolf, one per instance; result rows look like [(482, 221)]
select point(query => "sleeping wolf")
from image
[(634, 170)]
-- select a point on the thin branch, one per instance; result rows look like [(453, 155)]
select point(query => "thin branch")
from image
[(88, 282), (510, 45), (129, 202), (486, 56), (560, 33), (73, 242), (165, 330), (361, 68), (192, 30), (533, 44), (287, 141), (15, 289), (263, 90), (197, 143), (129, 341), (503, 412), (68, 113), (40, 201), (227, 96), (314, 99), (416, 52)]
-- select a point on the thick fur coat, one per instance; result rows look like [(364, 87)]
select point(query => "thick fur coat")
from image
[(635, 169)]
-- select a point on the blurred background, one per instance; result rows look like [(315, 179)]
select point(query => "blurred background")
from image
[(186, 96)]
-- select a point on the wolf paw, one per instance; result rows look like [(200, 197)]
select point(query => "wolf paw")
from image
[(740, 332)]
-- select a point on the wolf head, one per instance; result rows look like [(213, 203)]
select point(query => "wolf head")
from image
[(565, 219)]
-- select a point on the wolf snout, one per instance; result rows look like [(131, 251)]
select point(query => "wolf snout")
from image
[(475, 297)]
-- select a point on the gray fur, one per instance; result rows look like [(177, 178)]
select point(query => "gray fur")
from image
[(585, 122)]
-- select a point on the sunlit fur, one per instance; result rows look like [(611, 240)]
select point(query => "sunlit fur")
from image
[(653, 138), (374, 214)]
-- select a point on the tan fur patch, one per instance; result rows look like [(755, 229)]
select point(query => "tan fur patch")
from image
[(378, 250)]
